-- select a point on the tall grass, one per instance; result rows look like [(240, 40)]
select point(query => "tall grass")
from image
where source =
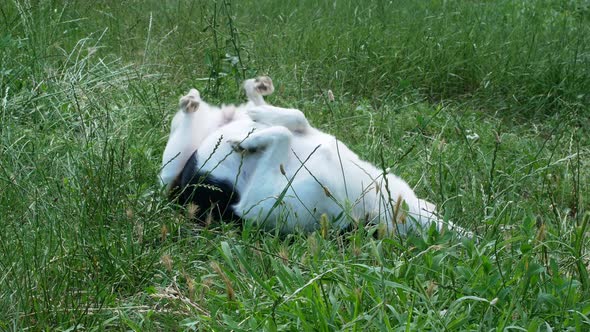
[(428, 88), (507, 56)]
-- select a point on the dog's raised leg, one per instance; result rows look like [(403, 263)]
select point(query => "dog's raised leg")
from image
[(290, 118), (257, 88), (259, 111), (189, 127)]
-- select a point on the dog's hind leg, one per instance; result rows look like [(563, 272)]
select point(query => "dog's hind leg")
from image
[(189, 127), (257, 88)]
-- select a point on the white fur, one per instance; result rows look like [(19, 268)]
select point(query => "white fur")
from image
[(196, 120), (289, 174)]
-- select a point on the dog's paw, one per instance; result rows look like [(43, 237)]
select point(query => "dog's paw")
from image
[(190, 102), (258, 87), (263, 85)]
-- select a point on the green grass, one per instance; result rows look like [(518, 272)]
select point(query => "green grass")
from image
[(87, 92)]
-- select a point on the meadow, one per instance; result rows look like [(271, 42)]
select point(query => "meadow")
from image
[(482, 106)]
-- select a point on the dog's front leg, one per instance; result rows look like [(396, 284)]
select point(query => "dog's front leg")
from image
[(266, 187), (290, 118)]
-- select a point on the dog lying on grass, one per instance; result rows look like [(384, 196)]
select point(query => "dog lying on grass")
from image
[(267, 164)]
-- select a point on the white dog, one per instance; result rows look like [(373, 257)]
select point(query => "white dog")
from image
[(267, 164)]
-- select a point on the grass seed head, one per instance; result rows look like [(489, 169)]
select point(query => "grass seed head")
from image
[(284, 255), (356, 250), (541, 232), (441, 145), (312, 245), (324, 225), (164, 232), (166, 260), (190, 285), (327, 191), (209, 218), (382, 230), (432, 286), (231, 295), (205, 287), (330, 95), (191, 210), (138, 230)]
